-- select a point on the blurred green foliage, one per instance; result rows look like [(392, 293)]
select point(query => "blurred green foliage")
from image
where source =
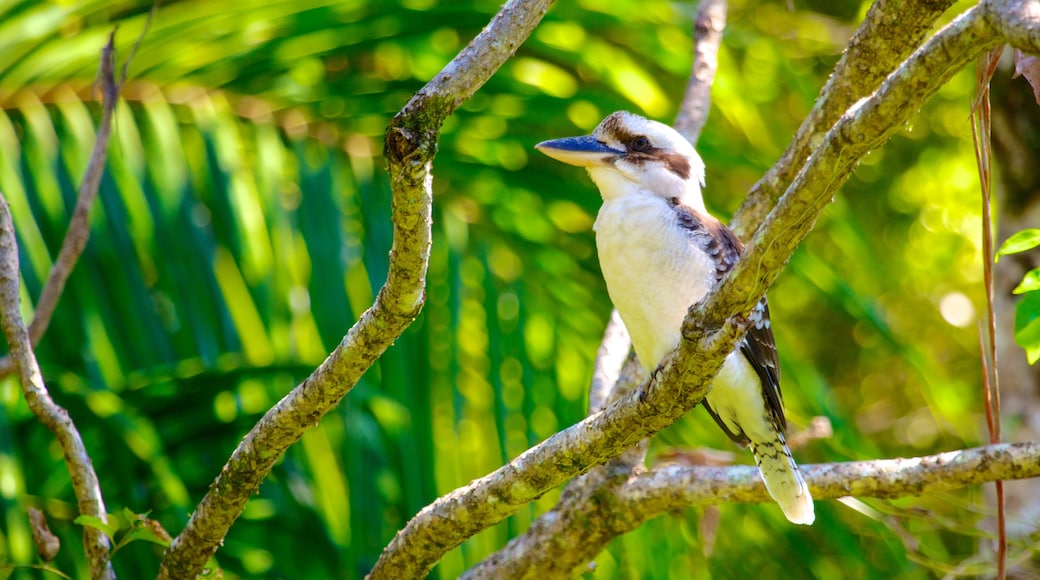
[(243, 224)]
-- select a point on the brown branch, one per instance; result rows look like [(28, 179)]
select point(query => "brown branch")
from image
[(890, 31), (411, 143), (707, 37), (47, 544), (77, 461), (79, 225), (610, 381), (982, 137), (714, 327), (22, 360), (632, 500)]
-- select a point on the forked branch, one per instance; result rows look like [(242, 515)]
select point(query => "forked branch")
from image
[(411, 143), (714, 326)]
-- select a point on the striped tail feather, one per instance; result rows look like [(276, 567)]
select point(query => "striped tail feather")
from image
[(783, 480)]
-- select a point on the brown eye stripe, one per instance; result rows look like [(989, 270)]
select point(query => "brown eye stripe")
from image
[(677, 164)]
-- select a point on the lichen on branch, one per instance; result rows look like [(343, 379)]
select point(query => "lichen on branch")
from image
[(411, 141)]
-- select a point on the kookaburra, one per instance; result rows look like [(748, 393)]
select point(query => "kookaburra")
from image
[(660, 252)]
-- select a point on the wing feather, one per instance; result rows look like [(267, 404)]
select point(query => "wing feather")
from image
[(759, 346)]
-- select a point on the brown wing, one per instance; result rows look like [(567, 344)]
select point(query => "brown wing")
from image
[(758, 346)]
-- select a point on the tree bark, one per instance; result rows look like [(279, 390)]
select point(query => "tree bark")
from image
[(714, 326)]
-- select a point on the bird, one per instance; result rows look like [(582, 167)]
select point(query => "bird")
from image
[(660, 251)]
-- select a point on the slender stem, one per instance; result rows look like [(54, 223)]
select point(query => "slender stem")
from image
[(79, 225), (77, 460)]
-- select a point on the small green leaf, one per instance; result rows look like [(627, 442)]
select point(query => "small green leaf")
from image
[(1027, 325), (1029, 283), (98, 524), (146, 534), (133, 518), (1020, 242)]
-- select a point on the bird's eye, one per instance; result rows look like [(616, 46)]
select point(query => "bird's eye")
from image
[(641, 144)]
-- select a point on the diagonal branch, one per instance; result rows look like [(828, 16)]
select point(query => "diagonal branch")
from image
[(22, 360), (551, 543), (411, 143), (714, 326), (890, 31), (79, 225)]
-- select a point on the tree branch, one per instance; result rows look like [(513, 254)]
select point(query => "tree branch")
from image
[(79, 225), (22, 360), (708, 25), (890, 31), (610, 381), (77, 460), (715, 325), (865, 126), (583, 530), (411, 143)]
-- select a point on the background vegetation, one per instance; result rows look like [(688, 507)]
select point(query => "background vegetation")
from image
[(243, 224)]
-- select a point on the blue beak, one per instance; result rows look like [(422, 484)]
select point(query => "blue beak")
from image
[(581, 151)]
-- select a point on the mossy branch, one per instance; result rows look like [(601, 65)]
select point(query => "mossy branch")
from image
[(890, 31), (411, 144), (718, 323), (562, 546), (21, 358)]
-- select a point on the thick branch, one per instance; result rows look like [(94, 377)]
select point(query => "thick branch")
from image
[(716, 325), (610, 381), (865, 126), (631, 501), (891, 30), (451, 519), (411, 141), (77, 461)]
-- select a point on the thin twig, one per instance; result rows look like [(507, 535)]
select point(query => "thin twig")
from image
[(21, 340), (982, 138), (613, 350), (77, 461), (79, 225)]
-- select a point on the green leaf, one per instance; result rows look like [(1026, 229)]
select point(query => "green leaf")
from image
[(1029, 283), (98, 524), (146, 534), (1020, 242), (1027, 325)]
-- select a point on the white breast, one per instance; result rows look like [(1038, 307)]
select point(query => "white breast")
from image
[(653, 270)]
